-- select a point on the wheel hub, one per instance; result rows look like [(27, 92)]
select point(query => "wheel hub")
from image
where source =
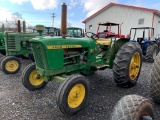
[(35, 79), (134, 66), (12, 65), (76, 95)]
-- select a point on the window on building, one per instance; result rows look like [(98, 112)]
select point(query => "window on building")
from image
[(141, 21), (90, 26)]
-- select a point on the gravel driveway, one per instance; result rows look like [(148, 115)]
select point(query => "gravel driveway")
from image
[(17, 103)]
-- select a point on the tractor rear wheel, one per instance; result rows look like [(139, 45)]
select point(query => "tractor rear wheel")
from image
[(132, 107), (10, 64), (155, 80), (31, 79), (72, 94), (127, 64), (151, 53)]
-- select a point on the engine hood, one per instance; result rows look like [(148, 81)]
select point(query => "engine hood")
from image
[(68, 42)]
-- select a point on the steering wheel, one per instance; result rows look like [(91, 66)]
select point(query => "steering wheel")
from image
[(93, 35)]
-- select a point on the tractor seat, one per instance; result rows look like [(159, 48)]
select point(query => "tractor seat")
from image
[(104, 41)]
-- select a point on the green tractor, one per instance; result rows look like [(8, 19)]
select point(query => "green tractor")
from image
[(17, 45), (75, 32), (70, 59), (141, 107), (2, 45)]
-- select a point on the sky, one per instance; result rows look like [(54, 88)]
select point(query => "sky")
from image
[(41, 11)]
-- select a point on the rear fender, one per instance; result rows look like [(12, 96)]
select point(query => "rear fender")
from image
[(114, 49)]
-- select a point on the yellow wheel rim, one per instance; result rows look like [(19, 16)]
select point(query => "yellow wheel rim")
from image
[(134, 66), (11, 65), (35, 79), (76, 95)]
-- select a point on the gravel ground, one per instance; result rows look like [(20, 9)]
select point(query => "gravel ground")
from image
[(17, 103)]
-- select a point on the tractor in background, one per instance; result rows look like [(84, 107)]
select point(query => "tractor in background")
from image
[(2, 44), (149, 45), (69, 59), (49, 31), (107, 30), (17, 45), (141, 107), (75, 32)]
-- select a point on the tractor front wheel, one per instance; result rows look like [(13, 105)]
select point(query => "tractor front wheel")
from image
[(155, 80), (132, 107), (127, 64), (72, 94), (31, 79), (151, 53), (10, 64)]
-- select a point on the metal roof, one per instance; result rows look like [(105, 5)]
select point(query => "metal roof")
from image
[(115, 4)]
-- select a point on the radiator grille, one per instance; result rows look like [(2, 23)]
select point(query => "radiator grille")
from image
[(11, 42), (38, 55)]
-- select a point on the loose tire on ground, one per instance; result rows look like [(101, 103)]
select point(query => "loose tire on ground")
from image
[(155, 80), (127, 64), (31, 80), (132, 107), (151, 53), (72, 94), (10, 64)]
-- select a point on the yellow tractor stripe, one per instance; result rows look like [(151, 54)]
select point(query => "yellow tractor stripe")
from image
[(63, 46)]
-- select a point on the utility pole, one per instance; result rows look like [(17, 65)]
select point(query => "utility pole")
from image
[(53, 15)]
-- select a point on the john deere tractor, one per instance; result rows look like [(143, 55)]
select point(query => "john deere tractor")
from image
[(17, 45), (2, 45), (70, 59), (75, 32), (145, 37)]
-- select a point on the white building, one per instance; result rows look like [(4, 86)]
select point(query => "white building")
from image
[(128, 16)]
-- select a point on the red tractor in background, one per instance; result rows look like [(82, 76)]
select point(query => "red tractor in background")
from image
[(108, 30), (106, 36)]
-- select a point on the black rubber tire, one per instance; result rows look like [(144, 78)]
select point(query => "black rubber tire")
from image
[(151, 50), (25, 78), (132, 107), (5, 59), (2, 58), (155, 80), (122, 63), (63, 92)]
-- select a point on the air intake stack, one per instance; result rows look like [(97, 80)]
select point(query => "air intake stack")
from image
[(40, 29)]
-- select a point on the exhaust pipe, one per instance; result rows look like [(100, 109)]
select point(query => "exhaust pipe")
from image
[(24, 27), (3, 28), (63, 20), (19, 26)]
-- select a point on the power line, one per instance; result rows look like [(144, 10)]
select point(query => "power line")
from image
[(53, 15)]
